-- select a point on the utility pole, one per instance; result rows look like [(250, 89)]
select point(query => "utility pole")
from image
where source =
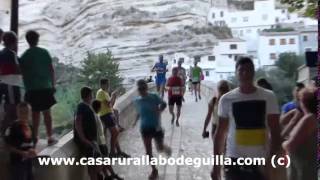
[(14, 21)]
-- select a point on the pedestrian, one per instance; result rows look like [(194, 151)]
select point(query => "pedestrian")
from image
[(248, 125), (196, 72), (108, 118), (262, 82), (39, 82), (223, 88), (182, 73), (149, 108), (107, 169), (301, 143), (9, 92), (175, 94), (20, 141), (293, 104), (85, 131), (161, 69)]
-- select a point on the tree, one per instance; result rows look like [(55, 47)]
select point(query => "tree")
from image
[(97, 66), (289, 63), (309, 7)]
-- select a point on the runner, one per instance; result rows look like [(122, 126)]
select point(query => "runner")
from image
[(183, 75), (108, 118), (248, 124), (175, 94), (149, 107), (196, 72), (161, 69), (223, 87)]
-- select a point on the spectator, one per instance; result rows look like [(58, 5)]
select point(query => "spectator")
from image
[(20, 142), (108, 118), (301, 144), (9, 66), (39, 81), (96, 105), (264, 84), (246, 133), (293, 104), (1, 33), (85, 131)]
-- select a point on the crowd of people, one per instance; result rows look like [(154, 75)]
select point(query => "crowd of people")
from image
[(246, 121)]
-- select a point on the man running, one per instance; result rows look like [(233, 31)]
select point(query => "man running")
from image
[(149, 107), (196, 72), (161, 69), (248, 124), (175, 94), (183, 75)]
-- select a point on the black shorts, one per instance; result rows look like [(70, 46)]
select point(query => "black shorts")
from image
[(12, 93), (40, 100), (108, 120), (175, 100), (158, 135), (196, 82), (104, 150)]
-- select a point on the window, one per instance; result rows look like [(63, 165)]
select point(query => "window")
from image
[(235, 58), (292, 41), (174, 61), (230, 56), (283, 42), (305, 38), (197, 58), (213, 15), (221, 13), (265, 17), (277, 20), (283, 11), (308, 49), (272, 42), (211, 58), (241, 32), (248, 31), (234, 19), (288, 17), (233, 46), (207, 73), (245, 19), (181, 59), (273, 56)]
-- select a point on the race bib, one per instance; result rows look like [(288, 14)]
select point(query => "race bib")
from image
[(176, 90), (251, 137)]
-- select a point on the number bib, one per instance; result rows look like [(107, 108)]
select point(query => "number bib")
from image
[(176, 91)]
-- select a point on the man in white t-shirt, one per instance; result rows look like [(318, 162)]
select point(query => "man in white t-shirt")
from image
[(248, 124)]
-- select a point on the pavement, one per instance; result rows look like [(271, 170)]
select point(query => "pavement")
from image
[(185, 140)]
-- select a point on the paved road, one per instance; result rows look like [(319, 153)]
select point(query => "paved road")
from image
[(185, 140)]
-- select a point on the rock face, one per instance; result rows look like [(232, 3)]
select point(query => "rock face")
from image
[(136, 31)]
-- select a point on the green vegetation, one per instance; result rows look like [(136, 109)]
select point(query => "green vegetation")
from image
[(69, 81), (308, 7)]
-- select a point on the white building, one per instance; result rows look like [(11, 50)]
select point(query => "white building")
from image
[(271, 44), (221, 63), (308, 39), (247, 24)]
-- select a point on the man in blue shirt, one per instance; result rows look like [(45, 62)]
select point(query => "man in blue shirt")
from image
[(292, 104), (149, 107), (161, 69)]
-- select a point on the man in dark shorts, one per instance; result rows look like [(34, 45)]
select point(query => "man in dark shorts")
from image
[(149, 107), (248, 126), (85, 130), (39, 81), (175, 94), (108, 118), (9, 66)]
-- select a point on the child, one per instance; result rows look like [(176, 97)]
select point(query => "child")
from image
[(96, 105), (21, 143), (149, 107)]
